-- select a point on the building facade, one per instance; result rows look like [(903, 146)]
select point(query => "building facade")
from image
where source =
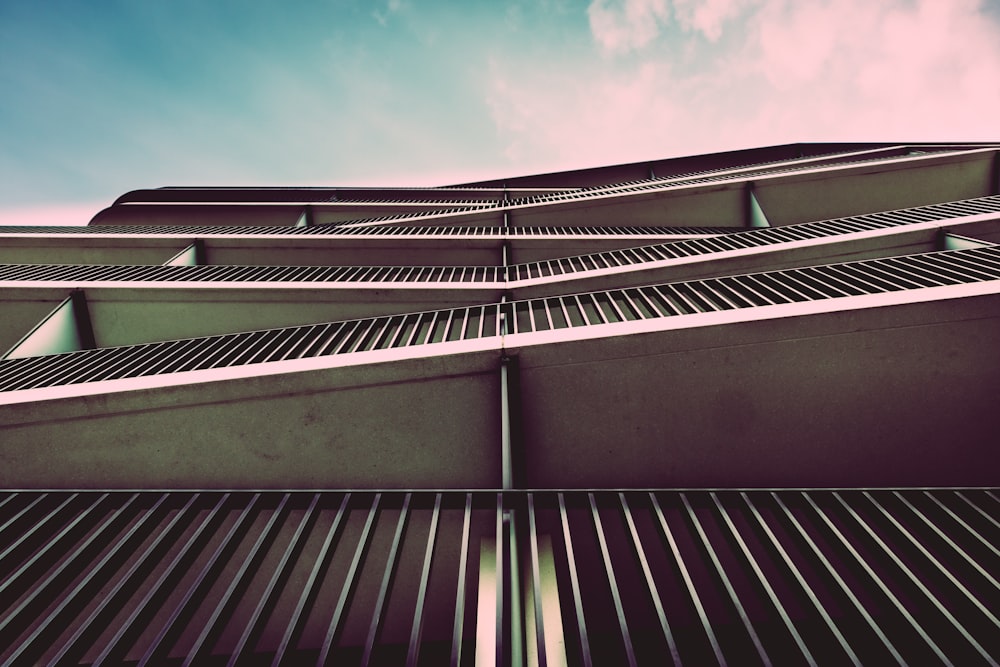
[(734, 408)]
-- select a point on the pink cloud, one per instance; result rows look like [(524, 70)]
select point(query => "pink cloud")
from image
[(708, 16), (626, 24), (921, 70)]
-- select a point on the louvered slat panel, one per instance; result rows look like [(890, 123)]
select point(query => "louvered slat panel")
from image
[(890, 576)]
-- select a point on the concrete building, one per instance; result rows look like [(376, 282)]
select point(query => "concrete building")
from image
[(734, 408)]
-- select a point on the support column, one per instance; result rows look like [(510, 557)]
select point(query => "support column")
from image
[(510, 626)]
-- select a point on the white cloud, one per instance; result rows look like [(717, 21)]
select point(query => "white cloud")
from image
[(620, 26), (708, 16), (626, 24), (781, 71), (391, 7)]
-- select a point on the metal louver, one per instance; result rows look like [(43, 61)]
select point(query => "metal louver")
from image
[(604, 577)]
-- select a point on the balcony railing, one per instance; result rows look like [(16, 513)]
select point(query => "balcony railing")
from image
[(518, 577), (774, 288), (629, 257), (652, 185), (190, 231)]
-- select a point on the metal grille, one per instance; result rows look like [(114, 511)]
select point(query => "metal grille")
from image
[(688, 178), (230, 273), (631, 187), (942, 212), (373, 230), (832, 281), (604, 577), (756, 238), (525, 271)]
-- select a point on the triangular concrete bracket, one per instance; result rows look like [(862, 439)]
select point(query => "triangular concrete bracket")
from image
[(65, 329), (755, 214), (306, 217), (193, 255), (949, 241)]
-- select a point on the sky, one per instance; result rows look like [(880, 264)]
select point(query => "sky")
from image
[(101, 97)]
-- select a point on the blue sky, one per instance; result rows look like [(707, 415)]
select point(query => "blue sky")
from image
[(102, 97)]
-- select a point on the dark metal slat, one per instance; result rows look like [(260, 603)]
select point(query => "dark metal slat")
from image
[(87, 582), (413, 650), (651, 587), (828, 566), (612, 582), (387, 578), (463, 563), (308, 590), (720, 571), (333, 629), (581, 620), (250, 561), (278, 577), (914, 579), (125, 636), (874, 577), (762, 580), (205, 574), (801, 580)]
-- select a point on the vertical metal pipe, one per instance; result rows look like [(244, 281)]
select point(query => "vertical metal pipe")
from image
[(514, 582), (498, 554), (506, 456)]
